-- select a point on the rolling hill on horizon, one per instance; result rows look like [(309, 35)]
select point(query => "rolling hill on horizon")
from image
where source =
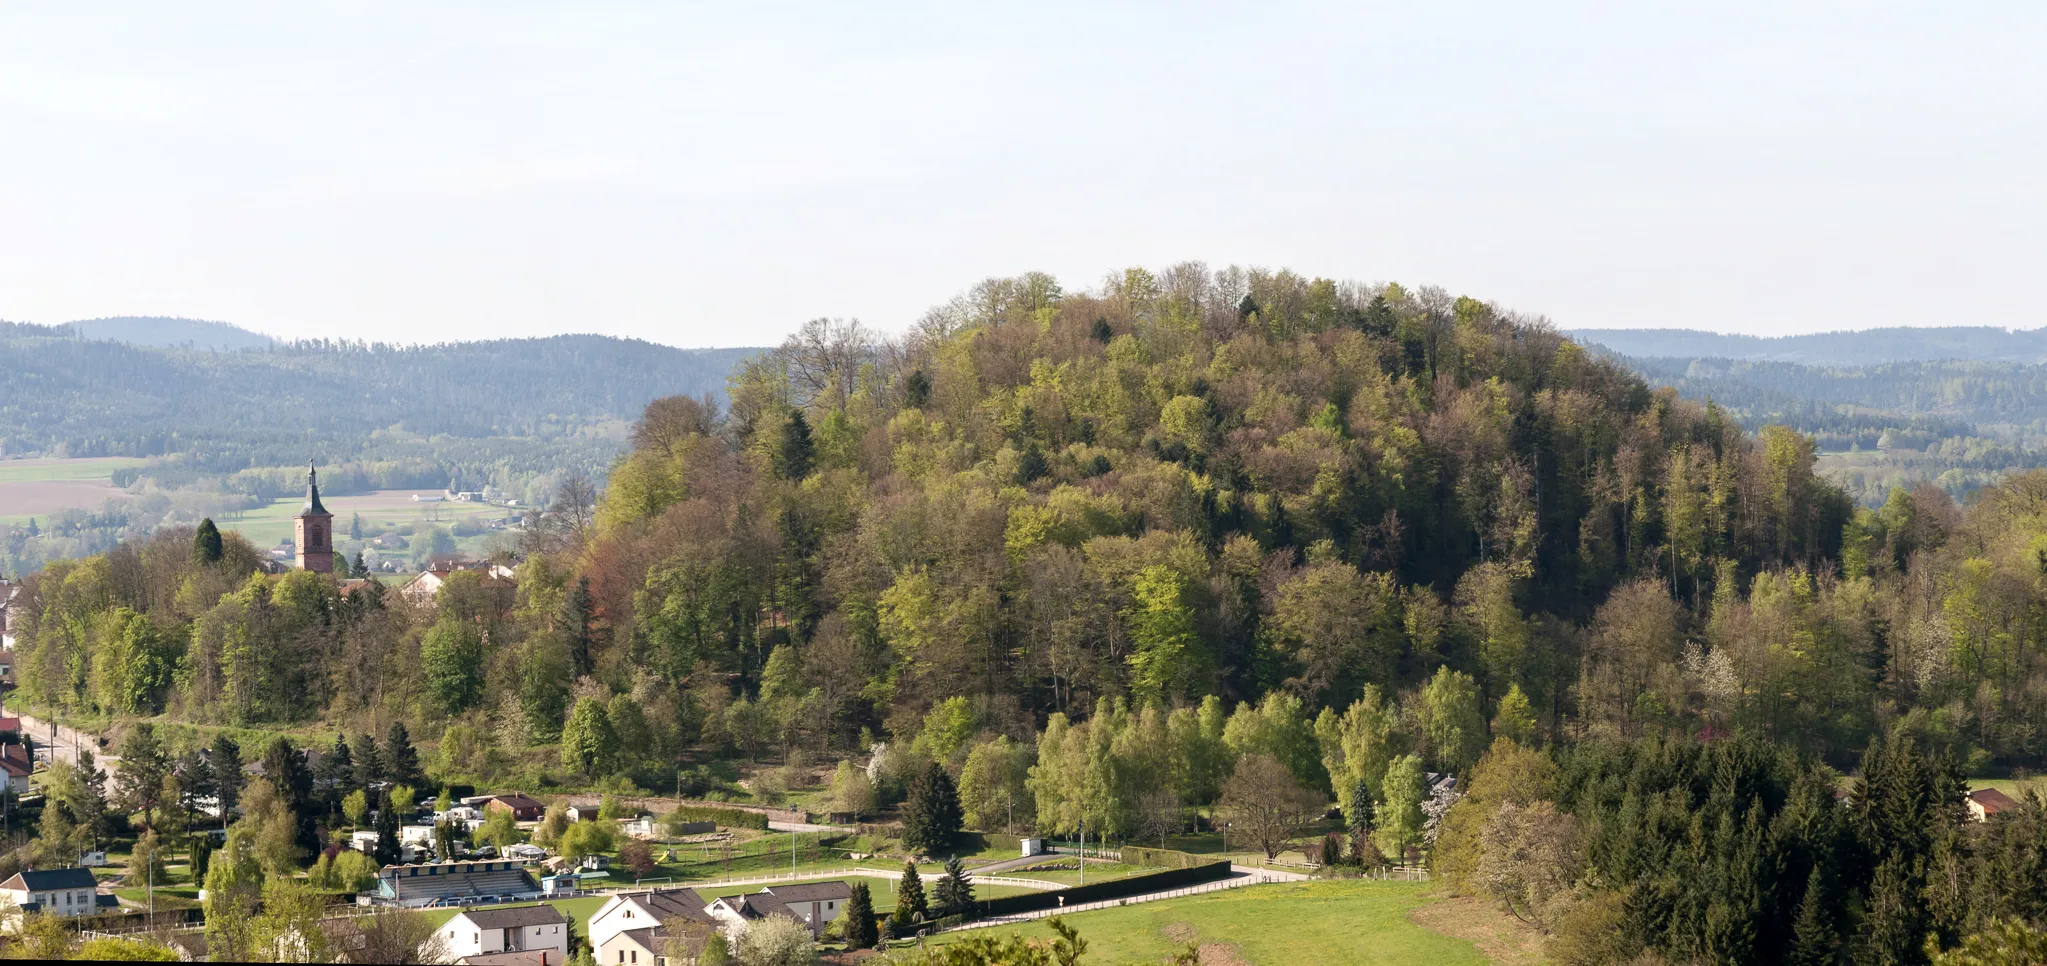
[(1843, 348), (168, 332), (93, 397)]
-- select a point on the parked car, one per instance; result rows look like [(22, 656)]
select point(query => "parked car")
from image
[(92, 860)]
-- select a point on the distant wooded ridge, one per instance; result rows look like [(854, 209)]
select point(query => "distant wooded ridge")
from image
[(1867, 347), (110, 397)]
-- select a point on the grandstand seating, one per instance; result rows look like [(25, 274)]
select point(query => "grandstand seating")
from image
[(431, 883)]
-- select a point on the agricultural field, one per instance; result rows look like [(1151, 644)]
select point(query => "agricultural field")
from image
[(382, 511), (40, 487), (1329, 923)]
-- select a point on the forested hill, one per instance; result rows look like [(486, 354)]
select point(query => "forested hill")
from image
[(1868, 347), (89, 397), (166, 332), (1207, 543)]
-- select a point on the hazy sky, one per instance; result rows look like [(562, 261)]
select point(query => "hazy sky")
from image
[(715, 174)]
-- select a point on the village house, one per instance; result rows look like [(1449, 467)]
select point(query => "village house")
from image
[(422, 590), (815, 904), (629, 911), (1985, 802), (476, 932), (523, 808), (8, 593), (650, 946), (54, 892)]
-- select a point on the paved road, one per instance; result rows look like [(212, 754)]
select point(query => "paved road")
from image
[(64, 742)]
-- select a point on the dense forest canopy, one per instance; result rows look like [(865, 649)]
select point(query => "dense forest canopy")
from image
[(1118, 557)]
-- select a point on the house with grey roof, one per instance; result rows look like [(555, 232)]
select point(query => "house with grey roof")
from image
[(474, 932)]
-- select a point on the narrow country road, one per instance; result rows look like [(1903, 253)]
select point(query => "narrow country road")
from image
[(58, 742)]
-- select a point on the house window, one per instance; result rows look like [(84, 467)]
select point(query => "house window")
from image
[(636, 955)]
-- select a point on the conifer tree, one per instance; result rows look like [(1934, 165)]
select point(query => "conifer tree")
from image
[(931, 815), (954, 893), (224, 775), (1812, 942), (401, 760), (910, 902), (795, 450), (575, 626), (334, 776), (861, 932), (387, 851), (1893, 927), (369, 763), (206, 544)]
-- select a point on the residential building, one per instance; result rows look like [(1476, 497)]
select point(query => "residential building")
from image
[(523, 808), (474, 932), (627, 911), (55, 892), (1985, 802), (422, 590), (815, 904), (8, 591), (650, 945)]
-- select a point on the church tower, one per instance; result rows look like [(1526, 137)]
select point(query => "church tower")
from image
[(315, 531)]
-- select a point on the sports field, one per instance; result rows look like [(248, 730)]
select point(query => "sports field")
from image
[(1328, 923)]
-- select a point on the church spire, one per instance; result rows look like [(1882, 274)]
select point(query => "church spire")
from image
[(313, 490)]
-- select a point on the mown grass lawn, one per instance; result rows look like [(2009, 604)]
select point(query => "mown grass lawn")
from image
[(1335, 923)]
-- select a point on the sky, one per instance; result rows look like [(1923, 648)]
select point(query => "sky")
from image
[(715, 174)]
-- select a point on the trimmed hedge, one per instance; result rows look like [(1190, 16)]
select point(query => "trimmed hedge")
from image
[(1162, 858), (727, 817), (1003, 841), (1113, 889)]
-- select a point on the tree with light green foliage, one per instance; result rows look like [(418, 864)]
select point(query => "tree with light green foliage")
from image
[(992, 784), (118, 949), (852, 790), (588, 743), (234, 883), (1168, 658), (948, 726), (355, 805), (1514, 718), (499, 829), (586, 838), (1357, 746), (1451, 720), (1399, 814), (288, 927), (451, 662)]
